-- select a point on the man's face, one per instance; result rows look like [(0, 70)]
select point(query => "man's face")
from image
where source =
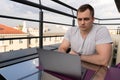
[(85, 20)]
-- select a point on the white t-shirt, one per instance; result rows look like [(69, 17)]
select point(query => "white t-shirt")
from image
[(97, 35)]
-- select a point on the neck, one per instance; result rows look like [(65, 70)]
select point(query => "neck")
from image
[(84, 33)]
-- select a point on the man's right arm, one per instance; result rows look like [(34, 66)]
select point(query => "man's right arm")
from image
[(64, 46)]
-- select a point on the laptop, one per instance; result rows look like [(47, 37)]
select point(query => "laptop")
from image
[(59, 62)]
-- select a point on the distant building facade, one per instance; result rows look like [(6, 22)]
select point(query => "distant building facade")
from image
[(10, 32), (47, 31), (10, 45)]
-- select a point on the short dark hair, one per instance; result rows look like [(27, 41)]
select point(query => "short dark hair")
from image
[(85, 7)]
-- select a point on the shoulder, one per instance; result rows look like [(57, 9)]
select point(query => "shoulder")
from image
[(70, 33), (73, 30), (99, 27), (102, 35)]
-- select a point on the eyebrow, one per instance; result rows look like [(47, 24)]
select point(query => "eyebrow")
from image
[(87, 18)]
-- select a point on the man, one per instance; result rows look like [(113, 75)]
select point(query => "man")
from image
[(91, 42)]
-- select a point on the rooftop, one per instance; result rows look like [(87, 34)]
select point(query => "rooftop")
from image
[(4, 29)]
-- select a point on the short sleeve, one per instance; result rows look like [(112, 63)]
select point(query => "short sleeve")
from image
[(103, 36)]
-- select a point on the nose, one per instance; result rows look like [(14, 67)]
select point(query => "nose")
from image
[(83, 22)]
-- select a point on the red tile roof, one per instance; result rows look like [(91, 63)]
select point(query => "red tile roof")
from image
[(9, 30)]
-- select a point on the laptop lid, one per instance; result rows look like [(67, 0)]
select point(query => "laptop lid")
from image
[(59, 62)]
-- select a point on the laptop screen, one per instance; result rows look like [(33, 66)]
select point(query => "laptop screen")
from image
[(59, 62)]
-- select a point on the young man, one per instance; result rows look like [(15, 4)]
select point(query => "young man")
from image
[(91, 42)]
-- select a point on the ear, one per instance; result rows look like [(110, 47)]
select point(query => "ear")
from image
[(93, 19)]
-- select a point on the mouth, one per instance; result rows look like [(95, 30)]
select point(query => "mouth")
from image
[(82, 26)]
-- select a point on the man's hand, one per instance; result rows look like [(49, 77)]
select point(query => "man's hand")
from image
[(73, 52)]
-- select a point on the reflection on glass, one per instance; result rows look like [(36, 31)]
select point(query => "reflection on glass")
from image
[(22, 71)]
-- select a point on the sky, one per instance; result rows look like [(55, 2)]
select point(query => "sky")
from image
[(103, 9)]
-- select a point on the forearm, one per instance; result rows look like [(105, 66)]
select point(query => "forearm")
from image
[(62, 50), (90, 66), (64, 46), (95, 59)]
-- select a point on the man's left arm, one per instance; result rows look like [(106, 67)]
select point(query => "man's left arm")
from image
[(102, 55)]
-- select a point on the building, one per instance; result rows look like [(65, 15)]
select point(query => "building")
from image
[(47, 31), (10, 45), (16, 44)]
